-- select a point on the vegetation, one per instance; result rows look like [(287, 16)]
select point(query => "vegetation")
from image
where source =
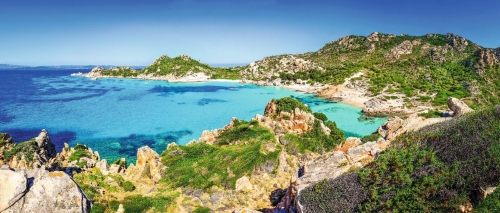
[(128, 186), (372, 137), (313, 141), (27, 148), (289, 104), (491, 203), (432, 114), (436, 169), (201, 209), (201, 165)]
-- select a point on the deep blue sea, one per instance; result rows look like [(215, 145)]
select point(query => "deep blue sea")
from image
[(117, 116)]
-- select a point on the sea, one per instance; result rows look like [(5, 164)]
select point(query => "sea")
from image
[(117, 116)]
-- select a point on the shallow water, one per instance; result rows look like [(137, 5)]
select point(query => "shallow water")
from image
[(117, 116)]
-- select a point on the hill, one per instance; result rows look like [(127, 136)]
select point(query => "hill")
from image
[(446, 167)]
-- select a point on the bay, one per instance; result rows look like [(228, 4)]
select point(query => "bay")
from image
[(117, 116)]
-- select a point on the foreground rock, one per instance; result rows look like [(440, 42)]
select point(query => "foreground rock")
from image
[(148, 165), (458, 107), (38, 190), (396, 126)]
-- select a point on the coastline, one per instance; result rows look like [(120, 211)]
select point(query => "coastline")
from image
[(353, 99)]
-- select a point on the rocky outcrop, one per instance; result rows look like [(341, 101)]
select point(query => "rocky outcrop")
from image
[(297, 122), (38, 190), (148, 165), (86, 161), (209, 136), (404, 48), (396, 126), (29, 154), (458, 107)]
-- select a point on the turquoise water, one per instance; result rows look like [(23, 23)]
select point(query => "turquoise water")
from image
[(117, 116)]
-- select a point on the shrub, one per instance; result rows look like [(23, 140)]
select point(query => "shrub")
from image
[(289, 104), (78, 154), (320, 116), (201, 209), (128, 186), (371, 137)]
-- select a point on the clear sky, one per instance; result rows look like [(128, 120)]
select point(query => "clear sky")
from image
[(136, 32)]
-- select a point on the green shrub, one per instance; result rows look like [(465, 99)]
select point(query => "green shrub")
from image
[(78, 154), (320, 116), (289, 104), (371, 137), (201, 209), (432, 114), (128, 186)]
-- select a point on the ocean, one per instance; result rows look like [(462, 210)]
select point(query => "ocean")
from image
[(117, 116)]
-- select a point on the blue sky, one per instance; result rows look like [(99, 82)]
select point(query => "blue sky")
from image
[(135, 32)]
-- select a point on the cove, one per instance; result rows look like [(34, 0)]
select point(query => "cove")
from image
[(116, 116)]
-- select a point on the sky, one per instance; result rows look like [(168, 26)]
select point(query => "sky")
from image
[(136, 32)]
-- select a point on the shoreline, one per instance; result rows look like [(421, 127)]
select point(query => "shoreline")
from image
[(307, 89)]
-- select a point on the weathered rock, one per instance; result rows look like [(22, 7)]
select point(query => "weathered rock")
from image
[(13, 186), (148, 165), (120, 209), (103, 166), (48, 192), (246, 210), (396, 126), (404, 48), (119, 167), (347, 144), (243, 183), (458, 107)]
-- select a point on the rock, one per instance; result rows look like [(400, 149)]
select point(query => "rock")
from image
[(347, 144), (246, 210), (497, 111), (120, 209), (483, 193), (396, 126), (458, 107), (103, 166), (243, 183), (148, 165), (13, 186), (119, 167), (47, 148), (404, 48), (49, 192)]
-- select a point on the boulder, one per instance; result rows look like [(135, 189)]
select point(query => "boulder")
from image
[(396, 126), (148, 165), (348, 143), (404, 48), (45, 192), (497, 111), (13, 186), (458, 107), (243, 183)]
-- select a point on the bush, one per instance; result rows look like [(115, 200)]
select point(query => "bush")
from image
[(128, 186), (289, 104), (320, 116), (371, 137), (78, 154), (201, 209), (314, 141)]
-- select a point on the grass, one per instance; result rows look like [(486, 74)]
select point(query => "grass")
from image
[(28, 148), (436, 169), (201, 166)]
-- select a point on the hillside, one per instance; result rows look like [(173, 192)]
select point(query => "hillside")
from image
[(419, 70), (396, 71), (446, 167)]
